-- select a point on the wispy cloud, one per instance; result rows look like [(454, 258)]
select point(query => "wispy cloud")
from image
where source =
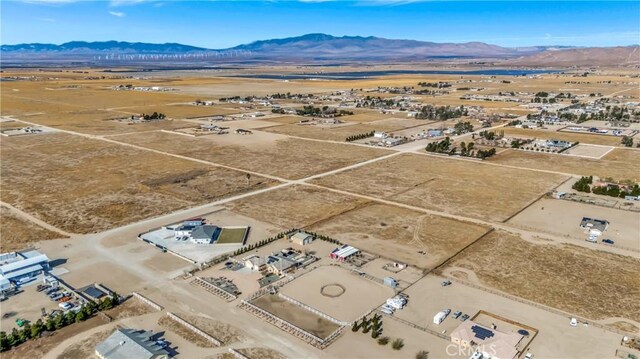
[(116, 3), (49, 2), (117, 13)]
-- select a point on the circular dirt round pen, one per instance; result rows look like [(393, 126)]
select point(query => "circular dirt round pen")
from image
[(333, 290)]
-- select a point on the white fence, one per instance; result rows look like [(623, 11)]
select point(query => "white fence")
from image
[(291, 328), (313, 310), (194, 329), (148, 301), (214, 289), (237, 354)]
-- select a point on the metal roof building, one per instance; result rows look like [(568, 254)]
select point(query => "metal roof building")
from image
[(131, 343), (17, 265), (343, 252)]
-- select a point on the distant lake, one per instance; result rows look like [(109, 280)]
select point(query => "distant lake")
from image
[(358, 75)]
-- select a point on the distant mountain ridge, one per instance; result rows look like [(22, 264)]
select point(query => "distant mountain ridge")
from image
[(312, 47), (139, 47)]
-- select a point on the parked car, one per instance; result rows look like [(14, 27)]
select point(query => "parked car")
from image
[(528, 356), (56, 296), (457, 314), (464, 317), (445, 283), (607, 241), (51, 291), (42, 287), (65, 305)]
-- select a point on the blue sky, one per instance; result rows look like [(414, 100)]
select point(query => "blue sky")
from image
[(220, 24)]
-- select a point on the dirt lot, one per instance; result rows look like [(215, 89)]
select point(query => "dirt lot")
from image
[(590, 283), (277, 156), (616, 164), (388, 231), (295, 315), (563, 217), (458, 187), (566, 136), (184, 332), (591, 151), (86, 347), (556, 339), (261, 353), (16, 233), (224, 332), (99, 122), (335, 133), (83, 185), (294, 206), (360, 295)]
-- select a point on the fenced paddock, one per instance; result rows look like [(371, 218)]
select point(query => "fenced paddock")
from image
[(212, 288), (320, 341), (360, 295)]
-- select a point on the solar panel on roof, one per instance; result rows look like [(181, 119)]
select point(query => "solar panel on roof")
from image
[(93, 292), (482, 333)]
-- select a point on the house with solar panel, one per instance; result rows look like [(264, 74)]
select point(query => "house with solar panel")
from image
[(487, 341)]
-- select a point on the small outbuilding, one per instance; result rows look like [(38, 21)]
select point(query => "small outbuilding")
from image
[(301, 238)]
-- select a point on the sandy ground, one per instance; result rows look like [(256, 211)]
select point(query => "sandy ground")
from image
[(390, 231), (360, 295), (453, 186), (298, 316), (112, 185), (16, 232), (563, 217), (26, 305), (594, 284), (556, 339), (615, 164), (294, 206), (273, 154), (586, 282), (359, 345), (591, 151)]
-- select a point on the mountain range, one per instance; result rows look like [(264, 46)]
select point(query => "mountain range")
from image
[(321, 47)]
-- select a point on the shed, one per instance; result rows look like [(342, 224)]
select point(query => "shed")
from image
[(391, 282), (301, 238)]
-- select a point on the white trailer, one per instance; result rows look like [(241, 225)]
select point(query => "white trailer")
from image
[(439, 317)]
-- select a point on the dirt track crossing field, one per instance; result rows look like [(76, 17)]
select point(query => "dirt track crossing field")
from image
[(387, 230), (82, 185), (452, 186), (591, 283)]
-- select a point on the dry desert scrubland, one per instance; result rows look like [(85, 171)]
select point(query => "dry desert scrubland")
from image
[(82, 190)]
